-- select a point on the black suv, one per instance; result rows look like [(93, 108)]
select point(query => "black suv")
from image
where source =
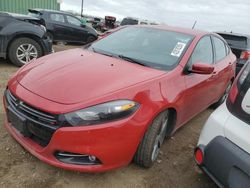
[(240, 45), (65, 27), (22, 38)]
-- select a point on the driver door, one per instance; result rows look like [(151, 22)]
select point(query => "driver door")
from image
[(199, 87)]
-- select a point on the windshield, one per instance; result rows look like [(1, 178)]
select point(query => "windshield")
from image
[(152, 47)]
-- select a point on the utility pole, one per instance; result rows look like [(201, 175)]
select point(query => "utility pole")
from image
[(82, 9)]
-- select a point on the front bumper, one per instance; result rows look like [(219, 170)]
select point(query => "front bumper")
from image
[(113, 144), (226, 163)]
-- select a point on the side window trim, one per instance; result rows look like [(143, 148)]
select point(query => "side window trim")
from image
[(215, 61), (214, 49)]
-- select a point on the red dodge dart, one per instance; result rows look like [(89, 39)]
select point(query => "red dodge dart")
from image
[(99, 108)]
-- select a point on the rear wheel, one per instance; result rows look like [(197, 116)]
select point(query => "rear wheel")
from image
[(50, 35), (224, 96), (91, 39), (152, 141), (23, 50)]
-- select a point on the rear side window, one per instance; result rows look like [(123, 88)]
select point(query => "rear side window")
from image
[(129, 21), (203, 52), (220, 49), (73, 21), (57, 18)]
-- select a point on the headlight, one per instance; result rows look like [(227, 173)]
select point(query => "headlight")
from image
[(102, 113)]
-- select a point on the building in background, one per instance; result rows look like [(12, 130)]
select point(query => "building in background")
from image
[(22, 6)]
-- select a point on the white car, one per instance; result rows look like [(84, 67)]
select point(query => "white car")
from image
[(223, 150)]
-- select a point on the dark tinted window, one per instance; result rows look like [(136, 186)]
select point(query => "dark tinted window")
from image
[(57, 17), (220, 49), (203, 52), (236, 41), (129, 21), (73, 21), (155, 48)]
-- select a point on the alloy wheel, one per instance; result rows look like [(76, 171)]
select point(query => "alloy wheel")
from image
[(160, 138), (26, 52)]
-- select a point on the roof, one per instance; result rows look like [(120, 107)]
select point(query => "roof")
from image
[(194, 32)]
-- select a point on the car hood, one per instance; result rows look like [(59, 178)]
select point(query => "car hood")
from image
[(78, 75)]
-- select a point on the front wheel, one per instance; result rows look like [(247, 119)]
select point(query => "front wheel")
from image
[(152, 141), (23, 50)]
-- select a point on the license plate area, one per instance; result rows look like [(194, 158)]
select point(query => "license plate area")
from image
[(18, 122)]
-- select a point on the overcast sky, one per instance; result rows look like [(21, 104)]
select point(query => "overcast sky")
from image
[(212, 15)]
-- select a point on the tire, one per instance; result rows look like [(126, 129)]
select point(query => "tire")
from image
[(224, 96), (50, 35), (90, 39), (26, 48), (146, 153)]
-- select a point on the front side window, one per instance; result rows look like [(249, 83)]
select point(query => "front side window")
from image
[(157, 48), (73, 21), (57, 18), (220, 50), (203, 52)]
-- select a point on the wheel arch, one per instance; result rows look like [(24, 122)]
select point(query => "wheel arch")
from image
[(25, 35)]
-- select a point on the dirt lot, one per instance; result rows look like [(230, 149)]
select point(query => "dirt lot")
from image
[(175, 167)]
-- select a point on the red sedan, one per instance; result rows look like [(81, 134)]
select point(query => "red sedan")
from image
[(99, 108)]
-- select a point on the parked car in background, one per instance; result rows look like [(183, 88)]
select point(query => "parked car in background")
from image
[(108, 24), (95, 22), (22, 38), (98, 108), (223, 150), (240, 45), (64, 27), (136, 21)]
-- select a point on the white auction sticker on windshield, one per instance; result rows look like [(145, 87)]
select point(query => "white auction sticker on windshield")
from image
[(178, 49)]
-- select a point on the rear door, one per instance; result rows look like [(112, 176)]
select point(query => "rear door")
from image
[(59, 27), (78, 32), (223, 67)]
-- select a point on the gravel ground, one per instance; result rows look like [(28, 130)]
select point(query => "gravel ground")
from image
[(174, 168)]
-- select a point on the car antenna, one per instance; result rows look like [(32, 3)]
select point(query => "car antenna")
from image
[(194, 24)]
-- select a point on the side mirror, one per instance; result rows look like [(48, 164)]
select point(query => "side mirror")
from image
[(201, 68), (83, 25)]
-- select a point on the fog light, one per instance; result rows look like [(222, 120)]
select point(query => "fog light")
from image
[(199, 156), (92, 158), (78, 159)]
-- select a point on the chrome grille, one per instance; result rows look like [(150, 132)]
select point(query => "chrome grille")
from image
[(30, 111), (41, 125)]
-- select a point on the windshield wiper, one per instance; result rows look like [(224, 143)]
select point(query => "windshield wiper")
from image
[(132, 60), (102, 52)]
